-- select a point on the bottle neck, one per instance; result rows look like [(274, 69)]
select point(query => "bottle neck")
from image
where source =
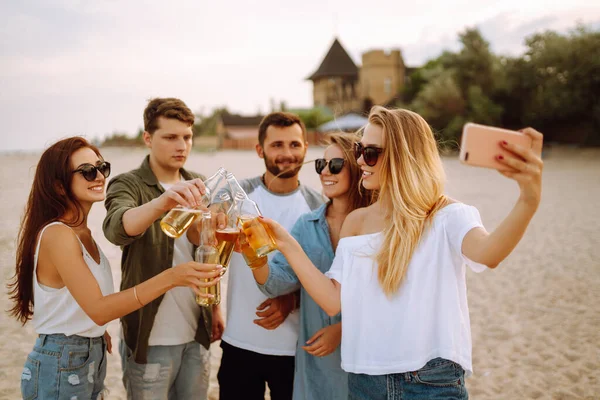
[(235, 186), (247, 208), (212, 182), (207, 233)]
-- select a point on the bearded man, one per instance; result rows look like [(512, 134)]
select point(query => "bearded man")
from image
[(259, 351)]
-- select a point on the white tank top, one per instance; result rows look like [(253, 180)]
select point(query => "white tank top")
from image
[(56, 311)]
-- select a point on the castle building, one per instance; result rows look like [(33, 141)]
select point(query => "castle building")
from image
[(343, 87)]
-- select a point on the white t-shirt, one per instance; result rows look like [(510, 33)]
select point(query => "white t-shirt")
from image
[(177, 318), (243, 296), (427, 318)]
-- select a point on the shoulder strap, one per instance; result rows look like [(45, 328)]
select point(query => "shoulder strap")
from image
[(39, 242)]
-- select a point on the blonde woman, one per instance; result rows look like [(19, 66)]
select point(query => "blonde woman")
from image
[(318, 374), (399, 271)]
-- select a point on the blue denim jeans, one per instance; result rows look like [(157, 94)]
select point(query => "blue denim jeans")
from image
[(438, 379), (65, 367), (172, 372)]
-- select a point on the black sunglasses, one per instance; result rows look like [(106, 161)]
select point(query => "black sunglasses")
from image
[(90, 171), (335, 165), (369, 153)]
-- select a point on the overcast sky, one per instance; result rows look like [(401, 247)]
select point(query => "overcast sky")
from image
[(72, 67)]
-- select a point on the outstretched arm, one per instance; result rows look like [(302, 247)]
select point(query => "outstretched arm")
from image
[(186, 193), (61, 249), (277, 277), (526, 164), (326, 292)]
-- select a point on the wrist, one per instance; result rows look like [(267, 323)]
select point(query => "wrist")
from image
[(261, 274), (170, 278), (530, 204), (287, 246), (156, 205), (137, 296)]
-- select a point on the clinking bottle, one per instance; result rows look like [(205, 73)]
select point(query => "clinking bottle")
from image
[(227, 236), (256, 240), (179, 219), (208, 253)]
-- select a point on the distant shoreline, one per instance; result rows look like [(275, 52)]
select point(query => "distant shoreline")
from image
[(548, 148)]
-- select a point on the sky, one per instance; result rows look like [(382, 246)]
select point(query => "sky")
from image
[(70, 67)]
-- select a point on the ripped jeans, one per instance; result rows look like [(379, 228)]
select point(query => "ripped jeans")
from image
[(65, 367), (179, 372)]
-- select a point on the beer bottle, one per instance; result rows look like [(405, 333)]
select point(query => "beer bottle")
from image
[(208, 253), (176, 222), (234, 186), (227, 236), (256, 239)]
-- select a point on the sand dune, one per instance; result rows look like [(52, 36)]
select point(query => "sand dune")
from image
[(535, 319)]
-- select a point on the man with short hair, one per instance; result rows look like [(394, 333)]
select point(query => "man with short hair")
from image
[(164, 349), (259, 351)]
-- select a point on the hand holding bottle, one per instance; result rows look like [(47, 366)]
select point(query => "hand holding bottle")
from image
[(179, 219), (281, 236), (188, 194), (196, 275)]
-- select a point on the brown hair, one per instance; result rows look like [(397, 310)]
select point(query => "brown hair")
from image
[(280, 119), (50, 198), (358, 196), (170, 108)]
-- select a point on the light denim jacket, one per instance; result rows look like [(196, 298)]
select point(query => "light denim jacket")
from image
[(315, 377)]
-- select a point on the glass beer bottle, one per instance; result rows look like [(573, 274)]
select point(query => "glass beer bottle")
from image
[(257, 235), (234, 185), (176, 222), (207, 253), (226, 237)]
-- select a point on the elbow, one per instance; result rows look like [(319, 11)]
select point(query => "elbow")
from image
[(333, 310), (110, 234), (492, 265), (115, 231), (98, 318), (483, 258), (268, 291)]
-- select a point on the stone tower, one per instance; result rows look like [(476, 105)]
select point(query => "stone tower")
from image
[(341, 86), (381, 76), (335, 82)]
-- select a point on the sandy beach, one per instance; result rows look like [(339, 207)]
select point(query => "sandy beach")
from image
[(535, 319)]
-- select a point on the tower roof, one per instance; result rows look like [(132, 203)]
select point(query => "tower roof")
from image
[(337, 63)]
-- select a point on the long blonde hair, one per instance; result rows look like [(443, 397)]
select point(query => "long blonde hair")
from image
[(411, 189), (358, 196)]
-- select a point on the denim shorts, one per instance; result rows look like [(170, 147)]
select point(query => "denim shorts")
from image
[(438, 379), (65, 367)]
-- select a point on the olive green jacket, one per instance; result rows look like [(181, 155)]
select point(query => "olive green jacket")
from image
[(145, 255)]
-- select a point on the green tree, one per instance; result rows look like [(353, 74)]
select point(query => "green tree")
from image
[(206, 125), (314, 117), (473, 65), (555, 86), (458, 87)]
